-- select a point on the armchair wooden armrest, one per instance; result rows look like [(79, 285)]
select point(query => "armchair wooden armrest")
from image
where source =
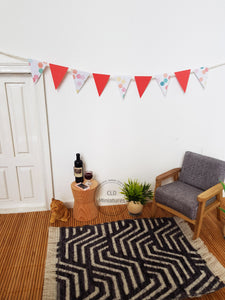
[(211, 192), (171, 173)]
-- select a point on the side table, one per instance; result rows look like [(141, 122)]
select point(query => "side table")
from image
[(84, 208)]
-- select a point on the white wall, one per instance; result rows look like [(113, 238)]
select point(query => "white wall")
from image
[(124, 138)]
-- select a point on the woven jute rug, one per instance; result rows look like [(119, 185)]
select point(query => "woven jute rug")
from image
[(129, 259)]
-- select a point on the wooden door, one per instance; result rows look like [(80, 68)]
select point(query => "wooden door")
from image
[(22, 162)]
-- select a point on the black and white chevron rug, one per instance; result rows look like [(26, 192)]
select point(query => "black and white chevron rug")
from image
[(130, 259)]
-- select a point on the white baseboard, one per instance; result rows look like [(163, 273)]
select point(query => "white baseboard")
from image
[(16, 210)]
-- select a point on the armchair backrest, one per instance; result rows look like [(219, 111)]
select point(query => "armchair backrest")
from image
[(201, 171)]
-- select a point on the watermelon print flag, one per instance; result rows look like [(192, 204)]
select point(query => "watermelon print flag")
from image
[(100, 81), (182, 78), (142, 83), (58, 73)]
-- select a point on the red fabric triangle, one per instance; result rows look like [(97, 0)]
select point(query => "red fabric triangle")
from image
[(183, 77), (100, 81), (58, 73), (142, 83)]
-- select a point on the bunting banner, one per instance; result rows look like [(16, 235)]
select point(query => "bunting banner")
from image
[(183, 77), (100, 81), (80, 78), (37, 69), (123, 83), (202, 75), (163, 81), (142, 82), (58, 73)]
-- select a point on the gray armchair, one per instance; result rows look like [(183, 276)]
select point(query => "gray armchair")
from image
[(195, 189)]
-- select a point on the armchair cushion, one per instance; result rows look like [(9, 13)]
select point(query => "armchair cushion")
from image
[(180, 197), (201, 171)]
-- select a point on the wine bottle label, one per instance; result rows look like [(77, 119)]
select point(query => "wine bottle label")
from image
[(78, 172)]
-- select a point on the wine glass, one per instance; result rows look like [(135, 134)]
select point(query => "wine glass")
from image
[(88, 175)]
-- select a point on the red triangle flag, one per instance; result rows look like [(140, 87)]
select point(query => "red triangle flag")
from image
[(100, 81), (183, 77), (142, 83), (58, 73)]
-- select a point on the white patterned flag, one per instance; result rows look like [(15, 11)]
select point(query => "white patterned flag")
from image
[(123, 83), (202, 75), (80, 78), (37, 68), (163, 81)]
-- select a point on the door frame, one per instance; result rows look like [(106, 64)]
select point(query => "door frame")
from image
[(40, 95)]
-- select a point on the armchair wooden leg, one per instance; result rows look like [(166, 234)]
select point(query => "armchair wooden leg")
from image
[(197, 231), (199, 220), (218, 213), (154, 208)]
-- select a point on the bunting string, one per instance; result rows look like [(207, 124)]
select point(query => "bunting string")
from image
[(14, 56), (80, 77)]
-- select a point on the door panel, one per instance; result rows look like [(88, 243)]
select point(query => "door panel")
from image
[(15, 99), (5, 126), (9, 190), (27, 179), (3, 184)]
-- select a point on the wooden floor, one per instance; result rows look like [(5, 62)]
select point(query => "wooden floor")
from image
[(23, 245)]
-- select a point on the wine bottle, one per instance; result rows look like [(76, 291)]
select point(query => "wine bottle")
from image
[(78, 169)]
